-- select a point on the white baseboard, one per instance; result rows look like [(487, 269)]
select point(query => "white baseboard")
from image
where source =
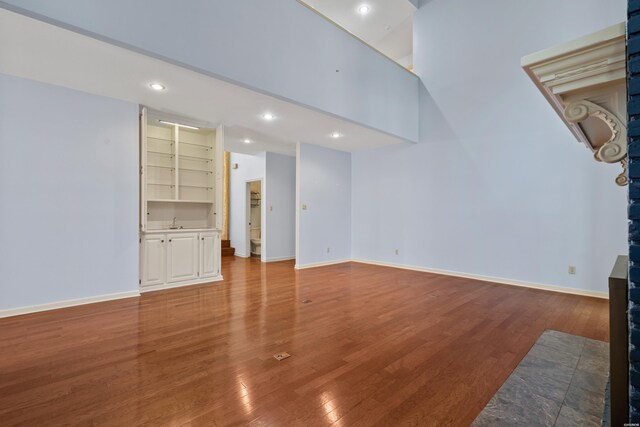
[(162, 287), (121, 295), (500, 280), (67, 303), (285, 258), (320, 264), (238, 254)]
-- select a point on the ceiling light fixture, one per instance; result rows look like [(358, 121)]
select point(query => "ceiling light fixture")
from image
[(157, 86), (247, 141), (178, 124), (364, 9), (336, 135), (268, 117)]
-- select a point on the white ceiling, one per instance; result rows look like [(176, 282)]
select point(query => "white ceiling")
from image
[(388, 27), (43, 52)]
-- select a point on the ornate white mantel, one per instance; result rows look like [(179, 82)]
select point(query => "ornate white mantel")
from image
[(585, 82)]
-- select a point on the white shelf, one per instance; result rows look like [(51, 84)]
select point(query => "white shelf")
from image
[(179, 201), (160, 153), (161, 139), (202, 159), (208, 147)]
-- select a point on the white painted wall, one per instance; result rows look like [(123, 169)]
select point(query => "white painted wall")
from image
[(69, 191), (324, 185), (250, 168), (279, 207), (279, 47), (498, 186)]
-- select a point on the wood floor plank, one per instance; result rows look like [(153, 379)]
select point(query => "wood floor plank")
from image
[(375, 346)]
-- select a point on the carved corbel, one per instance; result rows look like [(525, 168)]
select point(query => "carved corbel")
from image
[(615, 149)]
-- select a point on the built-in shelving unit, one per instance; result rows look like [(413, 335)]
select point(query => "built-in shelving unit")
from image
[(180, 163), (180, 189), (255, 199)]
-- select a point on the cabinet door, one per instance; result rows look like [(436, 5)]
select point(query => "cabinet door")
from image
[(182, 257), (153, 260), (209, 254)]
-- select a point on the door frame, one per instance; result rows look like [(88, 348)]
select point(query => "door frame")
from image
[(248, 217)]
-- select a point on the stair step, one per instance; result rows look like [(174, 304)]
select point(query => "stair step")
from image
[(225, 243), (228, 251)]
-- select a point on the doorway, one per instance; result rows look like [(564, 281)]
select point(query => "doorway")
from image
[(254, 219)]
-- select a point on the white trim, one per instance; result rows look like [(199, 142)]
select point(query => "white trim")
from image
[(164, 286), (298, 202), (321, 264), (248, 207), (499, 280), (131, 294), (284, 258), (238, 254), (67, 303)]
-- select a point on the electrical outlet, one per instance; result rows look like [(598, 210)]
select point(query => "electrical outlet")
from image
[(328, 250), (397, 251), (271, 208), (572, 269), (304, 207)]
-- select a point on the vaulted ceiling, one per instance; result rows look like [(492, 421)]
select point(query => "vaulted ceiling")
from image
[(387, 25)]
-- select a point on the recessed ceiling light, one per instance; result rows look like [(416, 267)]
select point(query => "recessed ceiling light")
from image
[(157, 86), (268, 116), (247, 141), (336, 134), (363, 9)]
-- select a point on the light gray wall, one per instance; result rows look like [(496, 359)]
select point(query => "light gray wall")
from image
[(497, 186), (69, 191), (250, 168), (280, 205), (324, 185), (278, 47)]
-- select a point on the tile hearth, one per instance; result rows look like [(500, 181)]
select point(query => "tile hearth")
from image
[(560, 382)]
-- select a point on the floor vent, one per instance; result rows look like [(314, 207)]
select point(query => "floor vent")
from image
[(307, 301), (281, 356)]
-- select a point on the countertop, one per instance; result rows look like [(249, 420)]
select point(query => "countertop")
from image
[(181, 230)]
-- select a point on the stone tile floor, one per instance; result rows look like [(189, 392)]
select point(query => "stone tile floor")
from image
[(560, 382)]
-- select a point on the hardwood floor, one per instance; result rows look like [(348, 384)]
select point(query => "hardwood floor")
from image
[(375, 346)]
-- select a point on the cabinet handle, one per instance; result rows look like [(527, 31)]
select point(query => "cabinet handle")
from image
[(169, 240), (161, 241), (203, 239)]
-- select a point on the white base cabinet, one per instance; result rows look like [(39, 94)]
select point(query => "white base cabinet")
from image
[(209, 254), (176, 258), (153, 259), (182, 257)]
